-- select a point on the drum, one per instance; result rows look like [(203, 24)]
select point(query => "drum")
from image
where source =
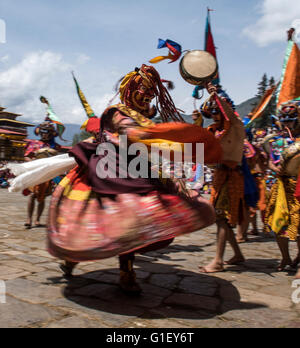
[(291, 159), (198, 67)]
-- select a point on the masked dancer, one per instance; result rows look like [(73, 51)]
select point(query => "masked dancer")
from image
[(94, 217), (283, 210)]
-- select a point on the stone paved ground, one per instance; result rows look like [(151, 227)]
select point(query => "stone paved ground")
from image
[(175, 294)]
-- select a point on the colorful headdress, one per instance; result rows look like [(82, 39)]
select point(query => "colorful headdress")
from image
[(52, 117), (208, 108), (289, 111), (211, 107), (260, 133), (149, 76), (45, 126), (46, 130)]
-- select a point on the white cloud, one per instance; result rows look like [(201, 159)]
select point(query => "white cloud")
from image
[(186, 105), (4, 59), (97, 104), (24, 81), (277, 16), (82, 59), (48, 74), (296, 25), (195, 21)]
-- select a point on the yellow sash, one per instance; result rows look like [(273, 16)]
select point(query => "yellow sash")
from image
[(280, 218)]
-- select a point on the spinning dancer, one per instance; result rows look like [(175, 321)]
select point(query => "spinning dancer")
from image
[(93, 218)]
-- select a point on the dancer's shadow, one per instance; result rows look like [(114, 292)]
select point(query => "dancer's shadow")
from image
[(259, 266), (261, 238), (40, 226), (168, 292), (172, 249)]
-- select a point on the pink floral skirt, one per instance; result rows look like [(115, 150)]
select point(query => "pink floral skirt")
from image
[(83, 226)]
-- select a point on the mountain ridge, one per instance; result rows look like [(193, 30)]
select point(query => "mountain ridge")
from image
[(72, 129)]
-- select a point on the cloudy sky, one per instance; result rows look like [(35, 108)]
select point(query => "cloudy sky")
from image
[(101, 40)]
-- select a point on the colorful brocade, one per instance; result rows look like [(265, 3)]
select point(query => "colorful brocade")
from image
[(283, 210), (43, 190), (83, 226), (262, 189), (33, 146), (228, 194), (297, 194)]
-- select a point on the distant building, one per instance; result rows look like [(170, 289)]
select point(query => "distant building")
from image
[(13, 136)]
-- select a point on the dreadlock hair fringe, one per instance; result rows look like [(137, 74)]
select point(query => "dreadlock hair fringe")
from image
[(117, 85), (166, 108), (164, 103), (170, 84)]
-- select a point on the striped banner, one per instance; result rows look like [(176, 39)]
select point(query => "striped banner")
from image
[(289, 88), (90, 113), (261, 107), (209, 46)]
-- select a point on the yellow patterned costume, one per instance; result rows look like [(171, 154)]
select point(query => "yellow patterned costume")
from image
[(283, 211)]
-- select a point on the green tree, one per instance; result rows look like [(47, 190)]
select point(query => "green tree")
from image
[(266, 119), (261, 90), (262, 86), (272, 82), (271, 109), (80, 137)]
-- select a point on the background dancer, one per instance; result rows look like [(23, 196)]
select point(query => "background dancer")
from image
[(228, 182), (37, 149), (283, 210), (254, 167), (51, 128)]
